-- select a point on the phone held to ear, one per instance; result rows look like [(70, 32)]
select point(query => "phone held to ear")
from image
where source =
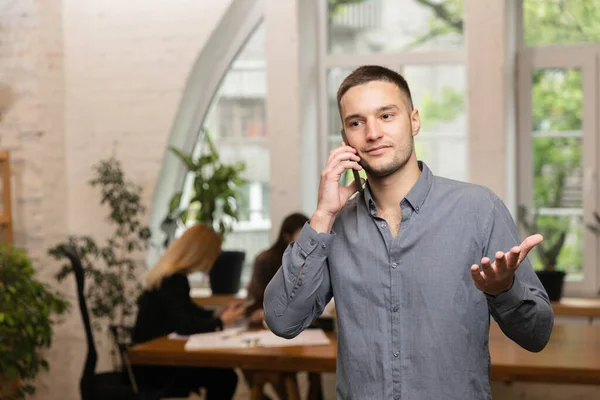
[(354, 172)]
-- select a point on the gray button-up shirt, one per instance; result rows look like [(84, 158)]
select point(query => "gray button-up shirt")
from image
[(412, 324)]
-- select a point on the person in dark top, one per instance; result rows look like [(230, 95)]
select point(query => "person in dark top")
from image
[(268, 262), (165, 306)]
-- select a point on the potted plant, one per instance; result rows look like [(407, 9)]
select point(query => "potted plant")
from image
[(214, 200), (113, 268), (27, 316), (554, 233)]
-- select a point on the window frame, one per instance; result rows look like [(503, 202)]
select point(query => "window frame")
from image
[(586, 58)]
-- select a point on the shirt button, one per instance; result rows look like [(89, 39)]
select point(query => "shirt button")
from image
[(394, 265), (323, 245), (396, 309), (396, 354), (312, 242), (417, 208), (383, 225)]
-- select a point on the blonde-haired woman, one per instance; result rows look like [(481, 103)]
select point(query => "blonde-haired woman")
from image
[(165, 306)]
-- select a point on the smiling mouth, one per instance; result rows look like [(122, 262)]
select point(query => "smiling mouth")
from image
[(377, 150)]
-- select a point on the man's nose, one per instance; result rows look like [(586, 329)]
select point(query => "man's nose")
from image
[(372, 130)]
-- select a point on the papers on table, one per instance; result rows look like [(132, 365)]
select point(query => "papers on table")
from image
[(238, 339)]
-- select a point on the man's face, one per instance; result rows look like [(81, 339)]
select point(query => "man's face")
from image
[(380, 126)]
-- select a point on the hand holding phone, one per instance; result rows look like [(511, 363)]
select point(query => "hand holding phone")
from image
[(333, 195), (354, 172)]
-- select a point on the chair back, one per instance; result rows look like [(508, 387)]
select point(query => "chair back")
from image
[(89, 369)]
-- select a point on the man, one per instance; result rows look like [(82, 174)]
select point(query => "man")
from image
[(416, 263)]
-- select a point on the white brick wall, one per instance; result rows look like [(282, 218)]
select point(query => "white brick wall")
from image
[(88, 78)]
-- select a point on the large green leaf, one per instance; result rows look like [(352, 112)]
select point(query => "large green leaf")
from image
[(187, 160)]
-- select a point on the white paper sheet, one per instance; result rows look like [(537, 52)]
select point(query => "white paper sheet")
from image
[(235, 329), (262, 338)]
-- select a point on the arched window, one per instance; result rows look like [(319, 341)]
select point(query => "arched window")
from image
[(224, 98)]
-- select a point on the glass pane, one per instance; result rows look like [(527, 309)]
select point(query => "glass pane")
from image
[(552, 22), (557, 143), (438, 93), (237, 124), (557, 173), (557, 99), (376, 26), (562, 245)]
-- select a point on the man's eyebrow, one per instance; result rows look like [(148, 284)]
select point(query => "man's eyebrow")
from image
[(349, 117), (389, 107)]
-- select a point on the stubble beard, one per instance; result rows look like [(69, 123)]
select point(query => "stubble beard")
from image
[(397, 163)]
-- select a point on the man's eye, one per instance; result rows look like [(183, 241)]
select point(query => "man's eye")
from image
[(354, 123), (386, 116)]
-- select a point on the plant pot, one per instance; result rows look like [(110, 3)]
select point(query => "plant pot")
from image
[(553, 283), (226, 273)]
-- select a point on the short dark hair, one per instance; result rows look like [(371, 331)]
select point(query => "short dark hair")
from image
[(370, 73)]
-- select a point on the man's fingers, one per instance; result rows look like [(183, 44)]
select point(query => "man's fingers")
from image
[(488, 270), (339, 169), (501, 263), (476, 275), (528, 244), (512, 257), (340, 150)]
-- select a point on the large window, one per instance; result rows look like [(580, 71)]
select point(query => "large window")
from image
[(237, 124), (558, 136), (421, 40)]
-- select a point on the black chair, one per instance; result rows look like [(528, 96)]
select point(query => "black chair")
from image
[(105, 385)]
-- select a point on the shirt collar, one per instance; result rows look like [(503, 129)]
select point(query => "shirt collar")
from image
[(415, 196)]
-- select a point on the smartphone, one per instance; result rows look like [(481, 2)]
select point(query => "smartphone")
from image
[(354, 172)]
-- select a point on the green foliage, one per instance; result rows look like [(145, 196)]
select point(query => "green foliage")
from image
[(112, 269), (27, 315), (447, 107), (216, 196), (448, 18), (555, 22)]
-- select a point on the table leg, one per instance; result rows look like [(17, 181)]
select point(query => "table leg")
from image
[(315, 389), (256, 391), (291, 386)]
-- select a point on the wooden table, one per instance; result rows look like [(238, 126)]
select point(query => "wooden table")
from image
[(261, 365), (571, 356), (577, 307), (566, 307)]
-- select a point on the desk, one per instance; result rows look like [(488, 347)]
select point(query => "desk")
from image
[(261, 364), (577, 307), (571, 356), (566, 307)]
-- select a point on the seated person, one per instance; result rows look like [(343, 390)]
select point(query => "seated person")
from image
[(165, 306), (268, 262)]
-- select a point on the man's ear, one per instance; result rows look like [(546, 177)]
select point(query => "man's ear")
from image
[(415, 122)]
